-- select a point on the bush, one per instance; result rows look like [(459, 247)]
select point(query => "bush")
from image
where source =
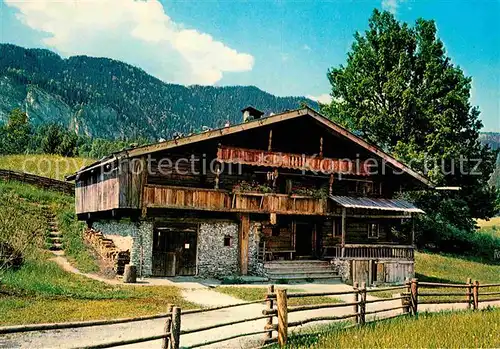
[(443, 237)]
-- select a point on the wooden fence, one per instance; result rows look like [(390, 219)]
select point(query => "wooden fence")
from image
[(276, 306), (39, 181)]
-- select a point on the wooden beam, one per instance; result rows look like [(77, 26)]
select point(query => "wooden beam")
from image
[(244, 232), (269, 147), (344, 227)]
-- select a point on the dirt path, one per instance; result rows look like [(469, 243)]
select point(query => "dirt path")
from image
[(209, 298)]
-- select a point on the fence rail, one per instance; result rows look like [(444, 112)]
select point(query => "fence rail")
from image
[(38, 181), (276, 306)]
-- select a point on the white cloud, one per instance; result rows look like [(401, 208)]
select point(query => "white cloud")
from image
[(391, 5), (137, 32), (306, 47), (324, 98)]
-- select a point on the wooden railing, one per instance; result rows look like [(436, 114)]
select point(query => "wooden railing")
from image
[(276, 306), (374, 251), (221, 200), (272, 159), (279, 203), (185, 197)]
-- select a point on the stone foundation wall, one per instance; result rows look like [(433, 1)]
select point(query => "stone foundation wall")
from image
[(343, 268), (255, 267), (141, 254), (215, 259)]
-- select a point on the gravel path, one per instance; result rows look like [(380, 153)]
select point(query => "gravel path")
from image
[(208, 298)]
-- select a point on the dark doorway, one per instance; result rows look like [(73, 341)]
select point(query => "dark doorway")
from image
[(304, 239), (174, 250)]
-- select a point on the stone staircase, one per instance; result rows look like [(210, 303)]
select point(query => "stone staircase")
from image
[(54, 238), (303, 270)]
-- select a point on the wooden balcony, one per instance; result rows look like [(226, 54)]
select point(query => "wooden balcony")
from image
[(186, 198), (278, 203), (271, 159), (375, 251), (220, 200)]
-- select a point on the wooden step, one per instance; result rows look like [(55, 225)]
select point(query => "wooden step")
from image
[(304, 277), (56, 247)]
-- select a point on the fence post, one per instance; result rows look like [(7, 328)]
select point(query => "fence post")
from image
[(282, 303), (475, 294), (362, 305), (469, 292), (356, 300), (269, 306), (168, 327), (175, 328), (414, 296)]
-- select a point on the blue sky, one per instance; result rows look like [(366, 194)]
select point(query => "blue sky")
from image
[(283, 47)]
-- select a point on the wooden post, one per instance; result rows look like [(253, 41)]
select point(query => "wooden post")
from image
[(244, 232), (469, 292), (321, 147), (168, 327), (475, 294), (281, 299), (355, 300), (414, 296), (269, 147), (362, 305), (175, 328), (269, 306), (217, 175), (330, 185), (344, 214)]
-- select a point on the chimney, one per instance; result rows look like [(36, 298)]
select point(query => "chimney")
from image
[(250, 113)]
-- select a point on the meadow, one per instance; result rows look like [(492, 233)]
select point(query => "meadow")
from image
[(429, 330), (52, 166)]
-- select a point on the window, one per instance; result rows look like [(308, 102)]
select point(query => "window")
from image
[(373, 230), (227, 241)]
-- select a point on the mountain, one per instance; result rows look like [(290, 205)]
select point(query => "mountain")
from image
[(101, 97), (493, 140)]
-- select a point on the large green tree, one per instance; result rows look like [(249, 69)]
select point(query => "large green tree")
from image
[(15, 133), (401, 91)]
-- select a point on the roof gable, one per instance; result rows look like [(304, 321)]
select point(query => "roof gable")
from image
[(273, 119)]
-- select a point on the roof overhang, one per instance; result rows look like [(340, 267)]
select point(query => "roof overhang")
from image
[(288, 115), (376, 204)]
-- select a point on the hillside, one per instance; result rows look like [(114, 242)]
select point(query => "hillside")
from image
[(101, 97)]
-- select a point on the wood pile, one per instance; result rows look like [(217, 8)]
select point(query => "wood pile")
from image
[(108, 250)]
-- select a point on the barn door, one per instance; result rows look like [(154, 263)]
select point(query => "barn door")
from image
[(174, 250)]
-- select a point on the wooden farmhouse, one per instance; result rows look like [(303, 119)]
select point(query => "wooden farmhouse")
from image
[(291, 195)]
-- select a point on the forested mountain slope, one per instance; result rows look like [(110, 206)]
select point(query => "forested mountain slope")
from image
[(101, 97)]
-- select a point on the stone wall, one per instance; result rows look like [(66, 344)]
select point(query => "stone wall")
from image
[(215, 259), (255, 267), (141, 232), (343, 268)]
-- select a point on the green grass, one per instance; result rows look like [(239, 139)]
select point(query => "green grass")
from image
[(52, 166), (256, 293), (438, 330)]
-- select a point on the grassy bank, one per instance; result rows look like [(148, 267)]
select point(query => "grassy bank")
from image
[(52, 166), (40, 291), (256, 293), (438, 330)]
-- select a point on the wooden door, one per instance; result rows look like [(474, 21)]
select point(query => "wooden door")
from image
[(174, 250), (304, 239)]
